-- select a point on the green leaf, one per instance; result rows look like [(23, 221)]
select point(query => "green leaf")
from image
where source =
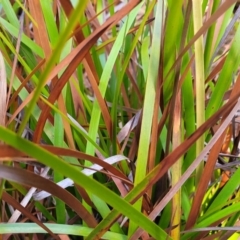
[(27, 41), (148, 107), (75, 230), (96, 188)]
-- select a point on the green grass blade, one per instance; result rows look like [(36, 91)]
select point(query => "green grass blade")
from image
[(126, 63), (96, 111), (213, 218), (50, 22), (150, 92), (75, 230), (11, 15), (79, 178), (200, 81), (53, 59), (108, 68), (225, 78), (58, 141), (227, 191), (27, 41)]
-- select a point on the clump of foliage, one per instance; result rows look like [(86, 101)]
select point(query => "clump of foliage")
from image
[(119, 120)]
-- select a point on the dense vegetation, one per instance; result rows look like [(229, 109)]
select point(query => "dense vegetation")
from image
[(131, 107)]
